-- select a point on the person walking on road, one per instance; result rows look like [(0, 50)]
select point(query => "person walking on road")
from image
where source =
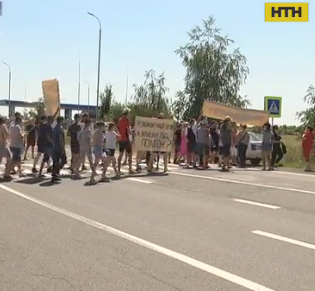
[(98, 148), (31, 139), (84, 137), (155, 155), (307, 146), (183, 143), (191, 143), (202, 139), (123, 126), (214, 148), (225, 143), (277, 153), (73, 132), (242, 140), (4, 149), (16, 144), (266, 146), (59, 150), (233, 149), (177, 143), (44, 144), (111, 137)]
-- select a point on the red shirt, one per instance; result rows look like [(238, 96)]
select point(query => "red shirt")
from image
[(307, 139), (123, 128)]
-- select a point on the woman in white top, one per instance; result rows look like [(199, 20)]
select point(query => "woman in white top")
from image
[(110, 145)]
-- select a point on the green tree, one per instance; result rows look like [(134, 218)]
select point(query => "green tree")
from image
[(179, 104), (37, 111), (40, 107), (307, 116), (152, 93), (106, 98), (115, 111), (214, 70), (149, 99)]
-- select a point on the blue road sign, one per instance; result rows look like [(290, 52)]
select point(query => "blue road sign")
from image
[(273, 105)]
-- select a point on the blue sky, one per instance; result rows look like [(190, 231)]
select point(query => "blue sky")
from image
[(42, 39)]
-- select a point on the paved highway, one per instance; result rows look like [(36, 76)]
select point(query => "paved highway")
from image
[(189, 230)]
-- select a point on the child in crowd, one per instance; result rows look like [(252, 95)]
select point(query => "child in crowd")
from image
[(111, 137), (98, 143)]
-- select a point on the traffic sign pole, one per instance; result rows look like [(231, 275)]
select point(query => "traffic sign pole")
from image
[(273, 105)]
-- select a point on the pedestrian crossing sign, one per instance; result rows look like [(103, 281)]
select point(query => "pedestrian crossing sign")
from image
[(273, 105)]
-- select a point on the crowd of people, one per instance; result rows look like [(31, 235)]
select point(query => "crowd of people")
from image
[(200, 142), (197, 144)]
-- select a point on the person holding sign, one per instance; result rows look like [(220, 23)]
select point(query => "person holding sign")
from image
[(155, 155), (123, 126), (225, 143)]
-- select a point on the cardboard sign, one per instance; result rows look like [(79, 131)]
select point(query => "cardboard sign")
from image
[(153, 134), (240, 115), (51, 97)]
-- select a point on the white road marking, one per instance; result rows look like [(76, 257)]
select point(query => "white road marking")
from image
[(216, 167), (309, 175), (244, 183), (154, 247), (140, 180), (257, 203), (285, 239)]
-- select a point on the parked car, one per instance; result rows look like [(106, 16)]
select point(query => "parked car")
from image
[(253, 153)]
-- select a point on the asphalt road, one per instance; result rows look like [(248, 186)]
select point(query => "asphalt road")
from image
[(188, 230)]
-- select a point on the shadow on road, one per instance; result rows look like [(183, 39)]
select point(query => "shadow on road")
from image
[(31, 180)]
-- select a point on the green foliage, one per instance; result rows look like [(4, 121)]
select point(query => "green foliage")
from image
[(214, 71), (106, 98), (35, 112), (307, 116), (152, 93), (116, 110), (40, 107), (179, 105), (283, 130), (149, 99)]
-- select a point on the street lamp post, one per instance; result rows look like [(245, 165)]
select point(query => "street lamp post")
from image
[(79, 84), (99, 61), (88, 95), (9, 85)]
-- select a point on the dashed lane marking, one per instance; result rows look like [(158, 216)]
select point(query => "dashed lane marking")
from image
[(284, 239), (256, 204), (149, 245)]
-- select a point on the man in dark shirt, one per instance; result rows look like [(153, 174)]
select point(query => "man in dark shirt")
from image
[(30, 140), (44, 143), (59, 151), (225, 143), (277, 153), (73, 131)]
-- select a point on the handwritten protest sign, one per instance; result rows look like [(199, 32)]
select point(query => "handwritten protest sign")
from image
[(240, 115), (153, 134), (51, 96)]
